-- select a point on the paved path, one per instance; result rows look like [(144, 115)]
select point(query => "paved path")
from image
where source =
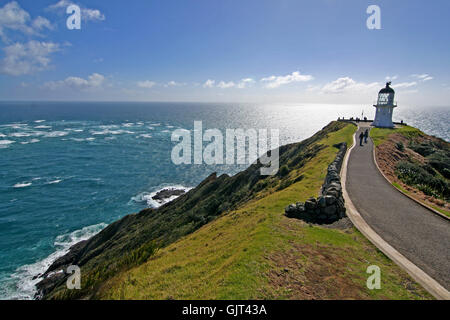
[(420, 235)]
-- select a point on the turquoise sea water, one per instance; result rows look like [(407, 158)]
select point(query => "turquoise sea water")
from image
[(69, 169)]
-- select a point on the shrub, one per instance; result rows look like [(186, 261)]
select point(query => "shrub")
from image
[(400, 146), (416, 175), (284, 171)]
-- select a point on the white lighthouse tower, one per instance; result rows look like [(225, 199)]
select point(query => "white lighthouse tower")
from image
[(385, 107)]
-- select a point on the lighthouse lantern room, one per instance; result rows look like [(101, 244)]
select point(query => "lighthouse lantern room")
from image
[(385, 108)]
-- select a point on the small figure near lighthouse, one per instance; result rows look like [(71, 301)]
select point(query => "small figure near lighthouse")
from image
[(385, 108)]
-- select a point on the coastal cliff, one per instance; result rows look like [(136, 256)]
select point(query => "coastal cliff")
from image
[(228, 238)]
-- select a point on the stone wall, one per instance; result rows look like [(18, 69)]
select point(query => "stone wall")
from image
[(329, 207)]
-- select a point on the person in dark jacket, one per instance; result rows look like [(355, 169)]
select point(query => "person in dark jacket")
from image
[(361, 137), (366, 135)]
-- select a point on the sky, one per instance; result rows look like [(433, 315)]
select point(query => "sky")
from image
[(279, 51)]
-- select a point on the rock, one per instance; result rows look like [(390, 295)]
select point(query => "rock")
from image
[(310, 205), (328, 207), (322, 202), (330, 210), (329, 199), (167, 193)]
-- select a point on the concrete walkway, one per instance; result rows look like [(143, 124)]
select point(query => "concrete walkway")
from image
[(418, 234)]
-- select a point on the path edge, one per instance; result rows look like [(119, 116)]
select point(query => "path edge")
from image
[(428, 283), (404, 193)]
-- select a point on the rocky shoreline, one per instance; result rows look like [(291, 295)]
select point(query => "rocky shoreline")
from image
[(165, 194)]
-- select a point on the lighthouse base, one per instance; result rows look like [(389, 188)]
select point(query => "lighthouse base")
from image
[(383, 116)]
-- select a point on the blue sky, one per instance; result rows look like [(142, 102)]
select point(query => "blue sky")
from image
[(209, 50)]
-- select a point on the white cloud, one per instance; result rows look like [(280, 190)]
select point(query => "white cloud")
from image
[(40, 23), (277, 81), (27, 58), (226, 85), (95, 80), (244, 83), (391, 78), (346, 85), (14, 18), (209, 83), (86, 13), (422, 77), (147, 84), (404, 85), (174, 84)]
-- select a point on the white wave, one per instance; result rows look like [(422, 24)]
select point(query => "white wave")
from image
[(128, 124), (54, 181), (20, 134), (55, 134), (147, 197), (22, 185), (26, 277), (107, 131), (39, 121), (145, 135), (31, 141), (74, 130), (6, 142), (82, 139), (43, 127)]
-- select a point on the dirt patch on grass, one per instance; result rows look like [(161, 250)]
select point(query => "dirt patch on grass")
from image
[(388, 155), (313, 272)]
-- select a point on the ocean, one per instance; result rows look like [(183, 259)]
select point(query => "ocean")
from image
[(68, 169)]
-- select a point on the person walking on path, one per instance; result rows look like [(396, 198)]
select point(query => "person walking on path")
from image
[(361, 137), (366, 135)]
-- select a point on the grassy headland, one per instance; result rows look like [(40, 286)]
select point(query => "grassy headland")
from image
[(229, 239)]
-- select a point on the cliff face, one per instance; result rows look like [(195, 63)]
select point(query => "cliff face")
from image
[(120, 245)]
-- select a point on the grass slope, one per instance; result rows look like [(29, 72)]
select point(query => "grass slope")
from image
[(433, 150), (255, 252)]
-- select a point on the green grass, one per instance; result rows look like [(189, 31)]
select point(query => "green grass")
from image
[(379, 135), (399, 187), (244, 253)]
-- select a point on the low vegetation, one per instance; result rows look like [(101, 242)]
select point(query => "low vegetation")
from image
[(416, 163), (229, 239)]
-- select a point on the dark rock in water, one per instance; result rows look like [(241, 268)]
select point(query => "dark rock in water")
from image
[(49, 283), (167, 193), (66, 260)]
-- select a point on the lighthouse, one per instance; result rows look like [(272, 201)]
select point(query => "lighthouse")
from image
[(385, 107)]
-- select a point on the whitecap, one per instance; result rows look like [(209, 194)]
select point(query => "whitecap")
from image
[(22, 185), (20, 134), (6, 142), (27, 276), (82, 139), (54, 181), (55, 134), (31, 141), (43, 127), (39, 121), (107, 131), (145, 135)]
